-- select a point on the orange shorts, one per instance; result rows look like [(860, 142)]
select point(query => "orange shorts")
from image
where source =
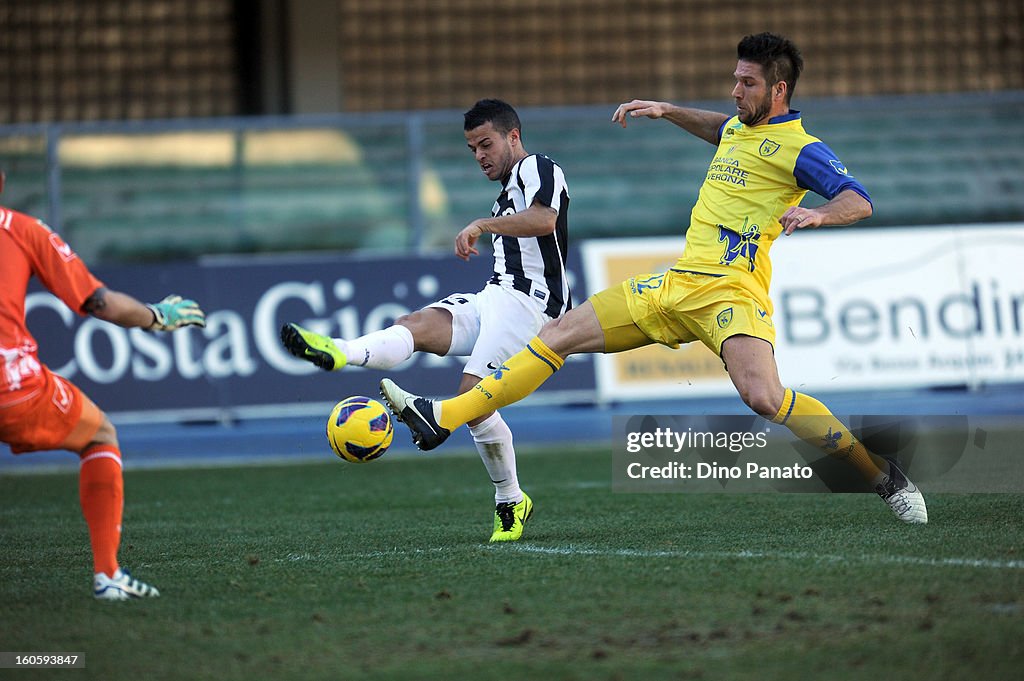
[(56, 416)]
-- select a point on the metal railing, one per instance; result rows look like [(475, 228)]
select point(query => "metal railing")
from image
[(404, 181)]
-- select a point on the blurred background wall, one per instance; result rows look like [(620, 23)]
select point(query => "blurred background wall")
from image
[(75, 60), (160, 129)]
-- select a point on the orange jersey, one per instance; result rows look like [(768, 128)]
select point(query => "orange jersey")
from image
[(28, 247)]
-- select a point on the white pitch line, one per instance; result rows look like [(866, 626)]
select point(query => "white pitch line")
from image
[(769, 555), (571, 550)]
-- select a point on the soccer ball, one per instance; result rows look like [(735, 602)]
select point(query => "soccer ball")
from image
[(359, 429)]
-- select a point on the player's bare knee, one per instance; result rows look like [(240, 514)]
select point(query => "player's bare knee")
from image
[(410, 321), (106, 435), (431, 329), (761, 400), (550, 328), (556, 335)]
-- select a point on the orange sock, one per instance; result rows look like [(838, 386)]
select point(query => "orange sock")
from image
[(812, 422), (101, 492)]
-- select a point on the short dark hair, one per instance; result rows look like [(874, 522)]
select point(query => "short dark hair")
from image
[(500, 114), (779, 57)]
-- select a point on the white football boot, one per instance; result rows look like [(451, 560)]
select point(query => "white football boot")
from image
[(121, 587), (903, 496)]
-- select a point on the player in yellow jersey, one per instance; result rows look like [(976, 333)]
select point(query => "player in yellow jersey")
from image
[(717, 292)]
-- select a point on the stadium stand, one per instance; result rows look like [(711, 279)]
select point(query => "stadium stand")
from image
[(137, 192)]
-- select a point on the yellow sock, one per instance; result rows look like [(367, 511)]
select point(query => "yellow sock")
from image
[(520, 375), (812, 422)]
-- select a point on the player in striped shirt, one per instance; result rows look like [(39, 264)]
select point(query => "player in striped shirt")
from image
[(717, 292), (40, 410), (529, 232)]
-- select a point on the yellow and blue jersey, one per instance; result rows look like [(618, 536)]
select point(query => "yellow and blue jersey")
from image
[(756, 175)]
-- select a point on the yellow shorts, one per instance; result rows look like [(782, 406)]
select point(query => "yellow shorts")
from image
[(677, 307)]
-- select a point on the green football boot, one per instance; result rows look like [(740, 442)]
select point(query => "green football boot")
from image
[(312, 347), (509, 519)]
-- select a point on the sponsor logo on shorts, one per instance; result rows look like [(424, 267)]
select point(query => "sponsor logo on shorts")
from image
[(638, 286), (61, 395)]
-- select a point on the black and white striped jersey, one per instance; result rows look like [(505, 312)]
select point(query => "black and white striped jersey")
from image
[(535, 265)]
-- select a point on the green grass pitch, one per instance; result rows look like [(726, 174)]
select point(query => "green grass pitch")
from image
[(382, 571)]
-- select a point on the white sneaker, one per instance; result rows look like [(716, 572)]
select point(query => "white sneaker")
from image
[(121, 587), (903, 496)]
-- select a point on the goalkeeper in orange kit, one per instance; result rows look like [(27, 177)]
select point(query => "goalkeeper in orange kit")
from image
[(40, 410)]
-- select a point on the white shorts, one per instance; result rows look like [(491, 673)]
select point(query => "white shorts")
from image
[(491, 326)]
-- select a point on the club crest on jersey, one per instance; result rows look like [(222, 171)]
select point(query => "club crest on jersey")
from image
[(725, 317), (768, 147), (742, 244)]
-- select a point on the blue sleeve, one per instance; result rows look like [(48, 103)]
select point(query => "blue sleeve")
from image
[(721, 128), (819, 170)]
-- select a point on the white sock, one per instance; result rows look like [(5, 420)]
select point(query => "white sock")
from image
[(384, 349), (493, 440)]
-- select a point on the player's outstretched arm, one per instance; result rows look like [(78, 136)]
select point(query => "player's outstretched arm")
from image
[(845, 208), (537, 220), (173, 312), (697, 122)]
